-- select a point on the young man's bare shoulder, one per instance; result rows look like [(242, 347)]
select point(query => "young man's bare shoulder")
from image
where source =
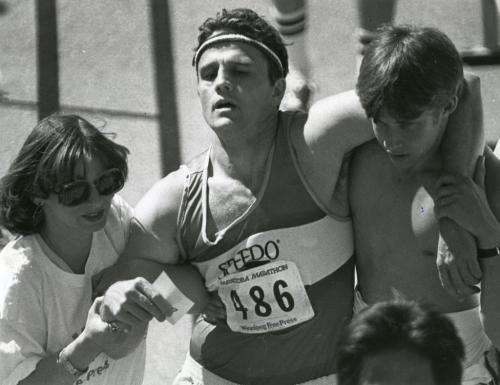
[(369, 162)]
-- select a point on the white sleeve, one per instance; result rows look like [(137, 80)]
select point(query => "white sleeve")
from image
[(20, 350), (23, 328)]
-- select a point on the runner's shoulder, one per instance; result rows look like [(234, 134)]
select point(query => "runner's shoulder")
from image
[(163, 199)]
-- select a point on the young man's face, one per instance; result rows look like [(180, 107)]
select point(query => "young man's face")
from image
[(234, 86), (410, 142)]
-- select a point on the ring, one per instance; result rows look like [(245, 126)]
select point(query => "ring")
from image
[(114, 327), (206, 318)]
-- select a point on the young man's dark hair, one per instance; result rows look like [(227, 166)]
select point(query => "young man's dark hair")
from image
[(401, 325), (408, 69), (246, 22)]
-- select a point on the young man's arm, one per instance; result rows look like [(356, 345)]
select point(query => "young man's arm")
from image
[(490, 285), (463, 142), (475, 205)]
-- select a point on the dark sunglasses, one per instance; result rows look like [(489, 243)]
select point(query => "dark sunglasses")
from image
[(78, 191)]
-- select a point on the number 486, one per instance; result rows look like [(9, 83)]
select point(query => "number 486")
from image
[(262, 308)]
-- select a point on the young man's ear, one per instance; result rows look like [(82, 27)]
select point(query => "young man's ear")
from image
[(454, 100), (278, 91), (451, 105)]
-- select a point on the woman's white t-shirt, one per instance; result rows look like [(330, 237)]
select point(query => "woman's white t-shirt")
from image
[(43, 307)]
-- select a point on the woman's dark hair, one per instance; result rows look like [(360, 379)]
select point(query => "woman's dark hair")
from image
[(394, 325), (246, 22), (47, 158)]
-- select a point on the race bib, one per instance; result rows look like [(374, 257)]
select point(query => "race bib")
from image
[(265, 298)]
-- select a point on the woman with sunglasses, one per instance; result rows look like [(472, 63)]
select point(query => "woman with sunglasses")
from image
[(59, 198)]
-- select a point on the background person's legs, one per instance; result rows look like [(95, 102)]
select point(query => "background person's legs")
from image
[(290, 17), (372, 14), (489, 52)]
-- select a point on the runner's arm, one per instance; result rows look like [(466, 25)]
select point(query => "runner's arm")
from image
[(151, 248), (335, 126), (490, 285), (152, 236), (463, 142), (475, 205)]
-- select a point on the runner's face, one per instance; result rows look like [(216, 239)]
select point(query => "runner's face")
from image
[(396, 368), (234, 87), (410, 142)]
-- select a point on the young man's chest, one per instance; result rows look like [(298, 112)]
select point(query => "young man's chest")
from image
[(390, 208), (227, 201), (395, 232)]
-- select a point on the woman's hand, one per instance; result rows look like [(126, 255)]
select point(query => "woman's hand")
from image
[(133, 302), (113, 338)]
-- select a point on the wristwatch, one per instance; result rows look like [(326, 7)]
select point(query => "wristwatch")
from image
[(68, 366), (488, 253)]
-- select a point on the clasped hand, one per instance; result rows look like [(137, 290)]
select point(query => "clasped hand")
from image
[(116, 343), (464, 200), (134, 301)]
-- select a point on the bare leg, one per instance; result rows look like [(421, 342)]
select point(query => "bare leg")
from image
[(489, 52), (290, 17), (372, 14)]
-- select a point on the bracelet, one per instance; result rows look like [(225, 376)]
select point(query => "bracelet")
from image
[(488, 253), (68, 366)]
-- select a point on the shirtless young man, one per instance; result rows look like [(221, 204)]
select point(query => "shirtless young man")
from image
[(262, 193), (409, 83)]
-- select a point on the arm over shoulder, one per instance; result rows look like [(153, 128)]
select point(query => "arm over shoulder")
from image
[(337, 122), (154, 227), (335, 126)]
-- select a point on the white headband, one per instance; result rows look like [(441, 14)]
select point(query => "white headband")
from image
[(236, 37)]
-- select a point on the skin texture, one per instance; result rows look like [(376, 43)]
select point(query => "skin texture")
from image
[(400, 167), (408, 194)]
